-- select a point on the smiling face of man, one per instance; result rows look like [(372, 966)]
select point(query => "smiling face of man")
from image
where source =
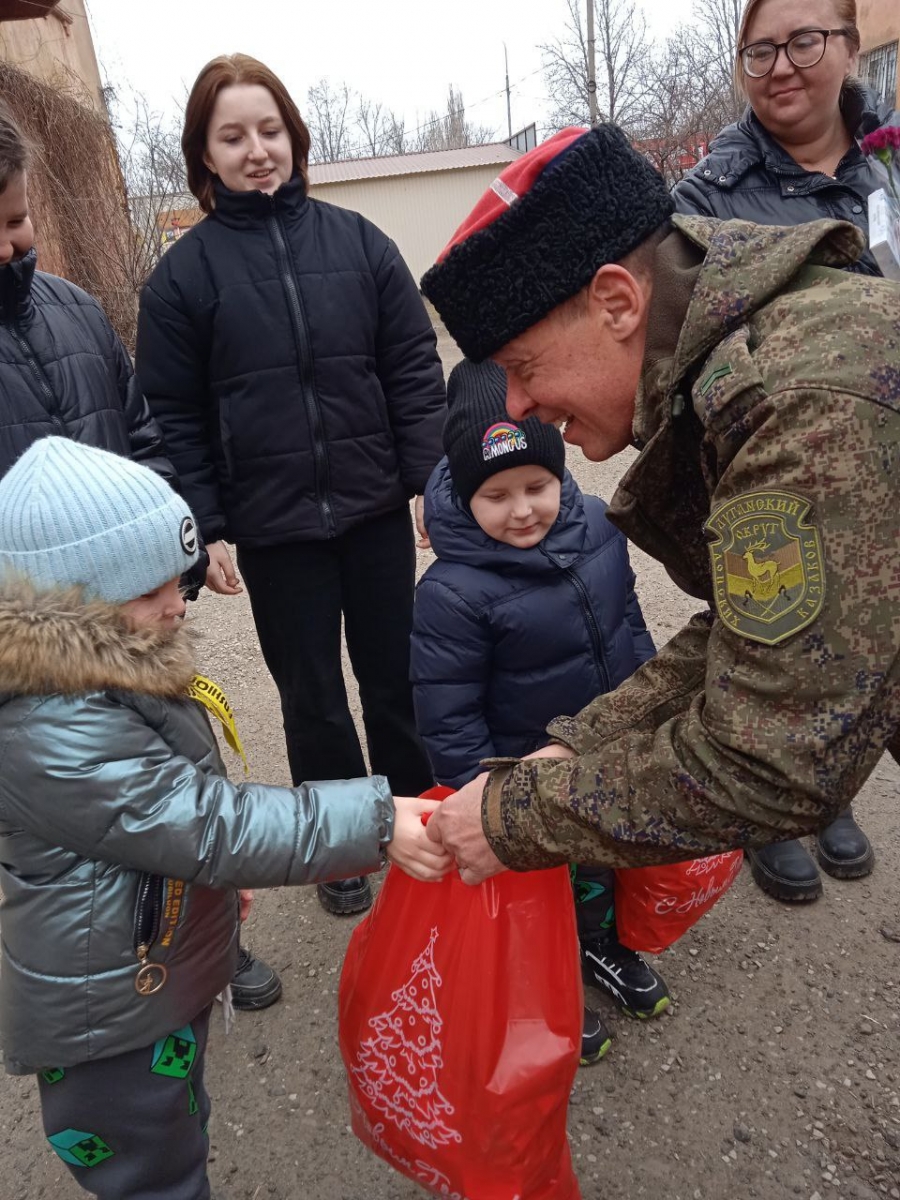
[(580, 366)]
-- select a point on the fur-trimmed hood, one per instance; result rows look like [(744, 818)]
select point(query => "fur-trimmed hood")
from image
[(55, 642)]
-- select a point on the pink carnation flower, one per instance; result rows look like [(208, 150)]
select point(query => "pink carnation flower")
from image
[(884, 144), (887, 138)]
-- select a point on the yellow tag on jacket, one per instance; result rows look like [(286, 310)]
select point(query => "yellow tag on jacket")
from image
[(214, 700)]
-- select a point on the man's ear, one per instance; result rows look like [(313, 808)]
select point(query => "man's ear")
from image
[(619, 299)]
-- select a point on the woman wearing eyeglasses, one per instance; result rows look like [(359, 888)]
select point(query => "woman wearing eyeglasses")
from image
[(794, 157), (794, 154)]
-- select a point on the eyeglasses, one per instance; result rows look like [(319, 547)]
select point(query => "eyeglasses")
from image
[(803, 50)]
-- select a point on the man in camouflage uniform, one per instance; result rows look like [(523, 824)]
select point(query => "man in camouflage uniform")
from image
[(762, 388)]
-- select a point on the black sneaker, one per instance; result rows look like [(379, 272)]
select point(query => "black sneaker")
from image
[(635, 987), (343, 896), (255, 984), (595, 1039)]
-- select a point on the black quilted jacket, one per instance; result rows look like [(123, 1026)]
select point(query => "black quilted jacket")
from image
[(63, 371), (748, 176), (288, 358)]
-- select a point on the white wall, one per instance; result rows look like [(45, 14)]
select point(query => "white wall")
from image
[(420, 212)]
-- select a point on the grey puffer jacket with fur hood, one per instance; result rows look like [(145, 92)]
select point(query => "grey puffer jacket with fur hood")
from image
[(112, 790)]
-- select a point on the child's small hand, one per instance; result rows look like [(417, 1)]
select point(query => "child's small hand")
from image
[(411, 848), (424, 541), (246, 896)]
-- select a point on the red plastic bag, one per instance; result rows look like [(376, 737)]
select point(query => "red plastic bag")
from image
[(460, 1030), (655, 906)]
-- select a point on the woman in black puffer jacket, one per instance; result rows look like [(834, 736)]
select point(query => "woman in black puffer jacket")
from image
[(794, 155), (286, 354)]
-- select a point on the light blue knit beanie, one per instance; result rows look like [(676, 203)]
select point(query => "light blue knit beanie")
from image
[(71, 514)]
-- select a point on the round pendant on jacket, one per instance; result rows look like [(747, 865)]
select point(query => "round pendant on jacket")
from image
[(150, 979)]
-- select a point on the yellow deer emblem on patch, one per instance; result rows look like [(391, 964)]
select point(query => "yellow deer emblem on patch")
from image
[(760, 571)]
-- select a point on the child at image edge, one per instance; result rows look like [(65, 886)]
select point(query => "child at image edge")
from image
[(529, 613), (122, 843)]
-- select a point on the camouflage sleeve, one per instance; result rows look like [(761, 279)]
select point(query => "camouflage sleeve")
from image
[(761, 740)]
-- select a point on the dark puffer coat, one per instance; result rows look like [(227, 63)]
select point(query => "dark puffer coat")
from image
[(63, 371), (748, 176), (285, 351), (504, 639)]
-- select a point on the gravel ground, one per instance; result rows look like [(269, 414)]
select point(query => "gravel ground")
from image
[(776, 1073)]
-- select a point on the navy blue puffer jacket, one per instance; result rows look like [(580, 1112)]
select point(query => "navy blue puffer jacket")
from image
[(504, 639), (63, 371), (747, 176), (285, 352)]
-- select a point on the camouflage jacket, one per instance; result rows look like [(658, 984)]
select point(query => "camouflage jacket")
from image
[(768, 483)]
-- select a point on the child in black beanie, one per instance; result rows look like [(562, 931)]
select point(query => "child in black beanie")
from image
[(529, 613)]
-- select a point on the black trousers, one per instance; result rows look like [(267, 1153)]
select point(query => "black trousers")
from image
[(133, 1127), (298, 593)]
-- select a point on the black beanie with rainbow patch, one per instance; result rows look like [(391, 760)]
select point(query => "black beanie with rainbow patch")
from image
[(480, 440)]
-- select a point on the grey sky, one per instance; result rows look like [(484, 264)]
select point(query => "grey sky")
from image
[(404, 53)]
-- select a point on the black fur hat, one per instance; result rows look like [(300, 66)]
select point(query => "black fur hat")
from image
[(580, 200)]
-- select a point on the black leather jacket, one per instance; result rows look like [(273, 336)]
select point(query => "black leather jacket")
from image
[(749, 176)]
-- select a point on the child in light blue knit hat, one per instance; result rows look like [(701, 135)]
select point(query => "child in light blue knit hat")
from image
[(124, 844)]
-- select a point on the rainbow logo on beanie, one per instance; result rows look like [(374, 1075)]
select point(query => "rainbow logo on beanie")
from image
[(502, 438)]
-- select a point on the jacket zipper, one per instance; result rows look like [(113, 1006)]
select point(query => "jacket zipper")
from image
[(827, 180), (304, 351), (52, 404), (590, 621), (147, 915)]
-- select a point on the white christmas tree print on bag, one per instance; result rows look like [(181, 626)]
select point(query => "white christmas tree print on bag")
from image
[(397, 1069)]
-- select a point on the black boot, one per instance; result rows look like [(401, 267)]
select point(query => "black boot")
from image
[(595, 1039), (843, 850), (637, 989), (255, 984), (344, 896), (785, 870)]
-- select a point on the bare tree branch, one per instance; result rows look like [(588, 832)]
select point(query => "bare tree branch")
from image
[(719, 22), (327, 118), (687, 100), (152, 165), (620, 50), (395, 138), (379, 130), (451, 131), (672, 97)]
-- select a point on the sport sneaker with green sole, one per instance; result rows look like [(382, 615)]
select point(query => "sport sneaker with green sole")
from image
[(595, 1038), (637, 989)]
